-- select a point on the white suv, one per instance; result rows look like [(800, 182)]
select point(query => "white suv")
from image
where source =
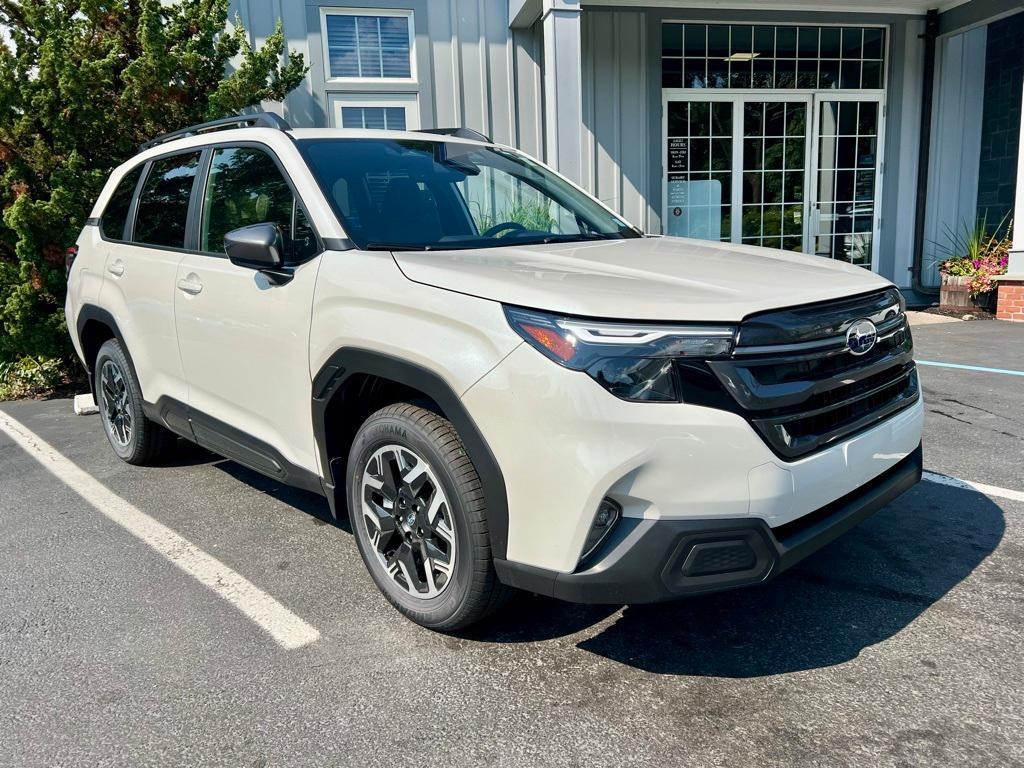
[(501, 381)]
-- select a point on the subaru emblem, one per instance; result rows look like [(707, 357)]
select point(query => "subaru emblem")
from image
[(861, 337)]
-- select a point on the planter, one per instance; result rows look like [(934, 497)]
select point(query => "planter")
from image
[(955, 294)]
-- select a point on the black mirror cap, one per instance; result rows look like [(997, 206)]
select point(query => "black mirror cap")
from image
[(257, 246)]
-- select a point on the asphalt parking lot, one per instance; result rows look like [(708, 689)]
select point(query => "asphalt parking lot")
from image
[(899, 644)]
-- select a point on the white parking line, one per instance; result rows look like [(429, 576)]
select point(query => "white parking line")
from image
[(967, 485), (287, 629)]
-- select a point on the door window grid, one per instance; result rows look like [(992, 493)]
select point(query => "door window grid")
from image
[(764, 56), (774, 169), (700, 169), (846, 180)]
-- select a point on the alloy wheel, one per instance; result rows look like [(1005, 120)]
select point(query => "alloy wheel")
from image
[(408, 521), (116, 408)]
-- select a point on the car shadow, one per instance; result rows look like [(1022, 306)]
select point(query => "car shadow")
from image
[(862, 589)]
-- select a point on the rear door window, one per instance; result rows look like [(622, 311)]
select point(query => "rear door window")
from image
[(162, 215), (115, 215)]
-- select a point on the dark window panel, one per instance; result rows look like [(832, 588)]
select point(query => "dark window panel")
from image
[(773, 154), (163, 204), (672, 40), (792, 243), (807, 42), (700, 118), (865, 189), (721, 118), (671, 73), (721, 154), (866, 152), (726, 232), (874, 40), (751, 226), (831, 44), (753, 119), (772, 187), (852, 42), (793, 220), (739, 74), (844, 185), (828, 74), (872, 75), (751, 187), (763, 73), (775, 118), (742, 39), (863, 223), (700, 155), (677, 118), (764, 41), (725, 180), (752, 151), (771, 222), (718, 41), (847, 152), (796, 119), (718, 73), (847, 118), (785, 73), (785, 42), (867, 123), (807, 74), (795, 153), (849, 74), (793, 187), (694, 36), (695, 73)]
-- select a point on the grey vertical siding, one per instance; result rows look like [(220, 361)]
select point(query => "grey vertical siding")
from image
[(616, 113)]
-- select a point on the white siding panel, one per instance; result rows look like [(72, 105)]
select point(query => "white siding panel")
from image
[(616, 112)]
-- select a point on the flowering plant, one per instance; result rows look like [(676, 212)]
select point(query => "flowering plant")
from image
[(978, 254)]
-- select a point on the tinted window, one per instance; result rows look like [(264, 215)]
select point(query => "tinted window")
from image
[(163, 205), (420, 194), (116, 213), (245, 187)]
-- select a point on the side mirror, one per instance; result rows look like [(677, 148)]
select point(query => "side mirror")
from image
[(258, 246)]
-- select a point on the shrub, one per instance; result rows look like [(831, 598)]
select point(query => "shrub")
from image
[(978, 253), (82, 84)]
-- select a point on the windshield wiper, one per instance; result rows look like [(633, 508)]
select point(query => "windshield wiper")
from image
[(578, 236), (397, 247)]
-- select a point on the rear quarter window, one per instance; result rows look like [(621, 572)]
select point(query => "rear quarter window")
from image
[(115, 215)]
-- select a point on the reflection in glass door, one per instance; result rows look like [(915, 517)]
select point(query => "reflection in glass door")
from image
[(774, 173), (843, 224)]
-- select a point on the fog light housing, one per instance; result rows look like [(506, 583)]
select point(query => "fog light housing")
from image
[(608, 514)]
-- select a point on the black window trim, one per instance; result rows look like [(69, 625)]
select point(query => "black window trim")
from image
[(195, 201)]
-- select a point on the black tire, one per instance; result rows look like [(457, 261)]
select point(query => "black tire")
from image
[(146, 441), (473, 590)]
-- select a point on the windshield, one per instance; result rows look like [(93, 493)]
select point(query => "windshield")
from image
[(400, 194)]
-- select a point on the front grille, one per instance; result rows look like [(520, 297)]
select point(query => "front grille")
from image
[(793, 376)]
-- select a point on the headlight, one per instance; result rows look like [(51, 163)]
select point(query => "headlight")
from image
[(634, 361)]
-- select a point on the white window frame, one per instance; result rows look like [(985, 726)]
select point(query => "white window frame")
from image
[(407, 101), (391, 12)]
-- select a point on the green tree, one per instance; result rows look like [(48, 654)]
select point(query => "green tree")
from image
[(82, 84)]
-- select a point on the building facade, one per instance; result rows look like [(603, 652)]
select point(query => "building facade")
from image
[(874, 132)]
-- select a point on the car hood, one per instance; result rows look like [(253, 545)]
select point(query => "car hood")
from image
[(651, 278)]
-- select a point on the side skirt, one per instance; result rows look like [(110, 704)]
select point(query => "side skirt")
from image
[(230, 442)]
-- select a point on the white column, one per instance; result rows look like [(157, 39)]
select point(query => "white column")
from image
[(563, 86), (1016, 266)]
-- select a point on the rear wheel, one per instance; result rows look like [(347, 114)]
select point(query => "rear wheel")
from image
[(417, 509), (134, 438)]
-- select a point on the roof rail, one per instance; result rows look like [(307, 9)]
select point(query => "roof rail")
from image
[(462, 133), (255, 120)]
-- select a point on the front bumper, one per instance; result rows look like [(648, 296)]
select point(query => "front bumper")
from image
[(648, 560)]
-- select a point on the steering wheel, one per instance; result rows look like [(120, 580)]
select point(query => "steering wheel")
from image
[(505, 225)]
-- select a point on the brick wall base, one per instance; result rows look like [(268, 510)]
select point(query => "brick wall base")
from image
[(1010, 300)]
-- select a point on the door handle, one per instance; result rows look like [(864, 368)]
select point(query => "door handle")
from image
[(116, 269), (190, 285)]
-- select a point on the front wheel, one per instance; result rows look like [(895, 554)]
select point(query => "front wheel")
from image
[(416, 506)]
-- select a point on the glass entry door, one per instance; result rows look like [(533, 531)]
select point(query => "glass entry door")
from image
[(736, 169), (844, 216), (798, 172)]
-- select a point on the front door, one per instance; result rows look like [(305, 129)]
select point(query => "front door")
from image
[(244, 339)]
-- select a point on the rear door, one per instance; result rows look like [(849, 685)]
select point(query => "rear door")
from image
[(141, 268), (244, 339)]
